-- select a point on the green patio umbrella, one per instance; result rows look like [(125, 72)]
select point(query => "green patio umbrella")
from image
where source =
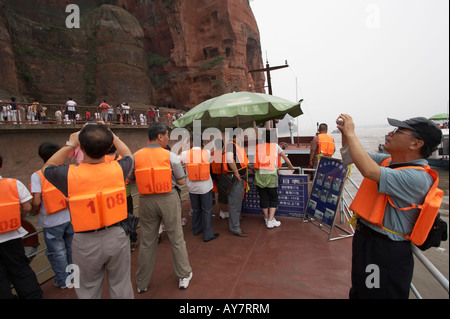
[(439, 117), (239, 109)]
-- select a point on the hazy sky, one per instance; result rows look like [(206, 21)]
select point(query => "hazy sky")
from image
[(372, 59)]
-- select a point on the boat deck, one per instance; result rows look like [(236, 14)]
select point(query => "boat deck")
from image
[(293, 261)]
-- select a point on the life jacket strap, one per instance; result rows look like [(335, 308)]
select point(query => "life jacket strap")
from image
[(353, 220), (404, 208), (393, 232), (355, 217)]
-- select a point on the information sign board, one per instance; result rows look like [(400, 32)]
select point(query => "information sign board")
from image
[(326, 190), (331, 175), (292, 196)]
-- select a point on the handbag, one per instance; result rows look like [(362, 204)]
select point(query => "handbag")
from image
[(225, 182), (130, 224), (437, 234)]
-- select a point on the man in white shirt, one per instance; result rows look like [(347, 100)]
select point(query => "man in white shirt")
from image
[(126, 113), (14, 265), (71, 109), (5, 112), (200, 194)]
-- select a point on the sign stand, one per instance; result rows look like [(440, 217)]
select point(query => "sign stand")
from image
[(330, 231), (325, 197)]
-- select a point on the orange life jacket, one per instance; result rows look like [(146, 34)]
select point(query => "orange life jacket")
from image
[(326, 145), (97, 196), (242, 158), (112, 158), (197, 168), (153, 171), (54, 200), (9, 205), (371, 205), (216, 167), (265, 156)]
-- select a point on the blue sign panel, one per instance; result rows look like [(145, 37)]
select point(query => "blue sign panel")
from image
[(292, 196), (326, 191)]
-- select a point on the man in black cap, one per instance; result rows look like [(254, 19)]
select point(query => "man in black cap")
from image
[(382, 262)]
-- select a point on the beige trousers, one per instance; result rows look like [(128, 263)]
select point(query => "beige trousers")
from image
[(154, 209), (103, 251)]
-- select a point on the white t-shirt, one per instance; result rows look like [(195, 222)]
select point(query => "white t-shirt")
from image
[(197, 187), (126, 109), (24, 196), (71, 105), (5, 110)]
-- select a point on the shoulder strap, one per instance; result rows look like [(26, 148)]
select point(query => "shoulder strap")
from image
[(394, 166), (433, 188)]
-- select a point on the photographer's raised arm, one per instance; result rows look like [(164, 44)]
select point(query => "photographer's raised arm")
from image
[(121, 147), (365, 164), (60, 156)]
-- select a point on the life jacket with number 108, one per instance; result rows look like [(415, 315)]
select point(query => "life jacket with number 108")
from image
[(371, 205), (153, 171), (97, 195), (9, 205)]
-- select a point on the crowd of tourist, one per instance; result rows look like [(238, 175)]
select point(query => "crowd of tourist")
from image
[(13, 112)]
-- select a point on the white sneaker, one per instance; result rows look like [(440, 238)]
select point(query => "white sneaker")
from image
[(141, 291), (184, 282), (69, 286), (273, 223), (224, 215)]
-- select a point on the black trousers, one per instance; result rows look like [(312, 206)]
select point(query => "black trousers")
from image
[(268, 197), (202, 214), (381, 268), (15, 269)]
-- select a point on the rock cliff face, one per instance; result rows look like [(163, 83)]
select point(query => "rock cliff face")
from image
[(174, 53)]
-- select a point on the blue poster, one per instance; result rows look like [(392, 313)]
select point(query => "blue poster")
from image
[(292, 196), (326, 191)]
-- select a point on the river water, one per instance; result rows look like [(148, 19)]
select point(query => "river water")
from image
[(427, 286)]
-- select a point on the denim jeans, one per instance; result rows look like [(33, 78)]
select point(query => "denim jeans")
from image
[(202, 214), (59, 250)]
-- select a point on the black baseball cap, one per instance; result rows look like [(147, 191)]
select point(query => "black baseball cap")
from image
[(428, 131)]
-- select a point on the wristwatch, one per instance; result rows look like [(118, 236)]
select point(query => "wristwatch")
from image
[(71, 144)]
